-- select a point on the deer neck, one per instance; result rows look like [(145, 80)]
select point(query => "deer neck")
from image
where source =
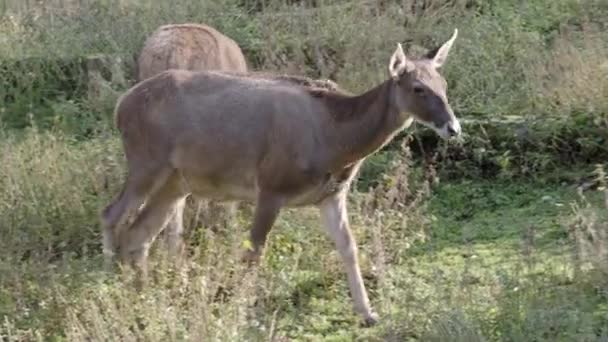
[(363, 124)]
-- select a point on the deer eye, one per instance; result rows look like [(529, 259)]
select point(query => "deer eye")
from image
[(418, 90)]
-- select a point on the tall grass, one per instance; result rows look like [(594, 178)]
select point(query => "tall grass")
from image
[(52, 189), (536, 57)]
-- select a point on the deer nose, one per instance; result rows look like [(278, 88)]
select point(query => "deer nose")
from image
[(453, 128)]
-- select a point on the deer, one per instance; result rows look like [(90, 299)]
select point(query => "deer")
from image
[(276, 142), (190, 47)]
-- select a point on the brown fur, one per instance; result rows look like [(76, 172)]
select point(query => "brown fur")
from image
[(275, 140), (188, 47), (314, 86)]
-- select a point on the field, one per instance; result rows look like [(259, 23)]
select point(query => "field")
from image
[(501, 236)]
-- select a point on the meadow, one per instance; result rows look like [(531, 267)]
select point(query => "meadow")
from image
[(502, 236)]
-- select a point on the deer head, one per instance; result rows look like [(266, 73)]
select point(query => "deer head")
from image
[(420, 91)]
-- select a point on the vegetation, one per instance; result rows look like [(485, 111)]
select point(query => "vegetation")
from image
[(499, 237)]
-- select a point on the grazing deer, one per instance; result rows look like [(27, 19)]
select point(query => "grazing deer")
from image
[(188, 47), (276, 141)]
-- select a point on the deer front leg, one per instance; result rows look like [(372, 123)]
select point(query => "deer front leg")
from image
[(267, 209), (335, 220)]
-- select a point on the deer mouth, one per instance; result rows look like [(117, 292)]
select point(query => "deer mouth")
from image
[(450, 129)]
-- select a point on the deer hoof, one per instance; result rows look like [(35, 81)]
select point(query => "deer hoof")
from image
[(371, 319), (251, 257)]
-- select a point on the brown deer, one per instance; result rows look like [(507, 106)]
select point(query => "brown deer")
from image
[(276, 141), (188, 47)]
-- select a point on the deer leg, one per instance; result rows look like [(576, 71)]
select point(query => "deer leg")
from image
[(335, 220), (116, 215), (175, 229), (135, 241), (267, 209), (133, 195)]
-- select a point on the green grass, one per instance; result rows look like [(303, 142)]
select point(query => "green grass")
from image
[(500, 211), (539, 58)]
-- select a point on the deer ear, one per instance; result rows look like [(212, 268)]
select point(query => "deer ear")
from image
[(398, 63), (440, 55)]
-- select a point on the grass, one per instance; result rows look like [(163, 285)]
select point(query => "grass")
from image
[(491, 211), (474, 261), (539, 58)]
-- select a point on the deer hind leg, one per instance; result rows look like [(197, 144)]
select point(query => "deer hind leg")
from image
[(134, 242), (133, 195), (115, 215), (335, 221)]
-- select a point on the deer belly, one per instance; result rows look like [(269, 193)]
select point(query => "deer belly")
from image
[(242, 189), (317, 193)]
